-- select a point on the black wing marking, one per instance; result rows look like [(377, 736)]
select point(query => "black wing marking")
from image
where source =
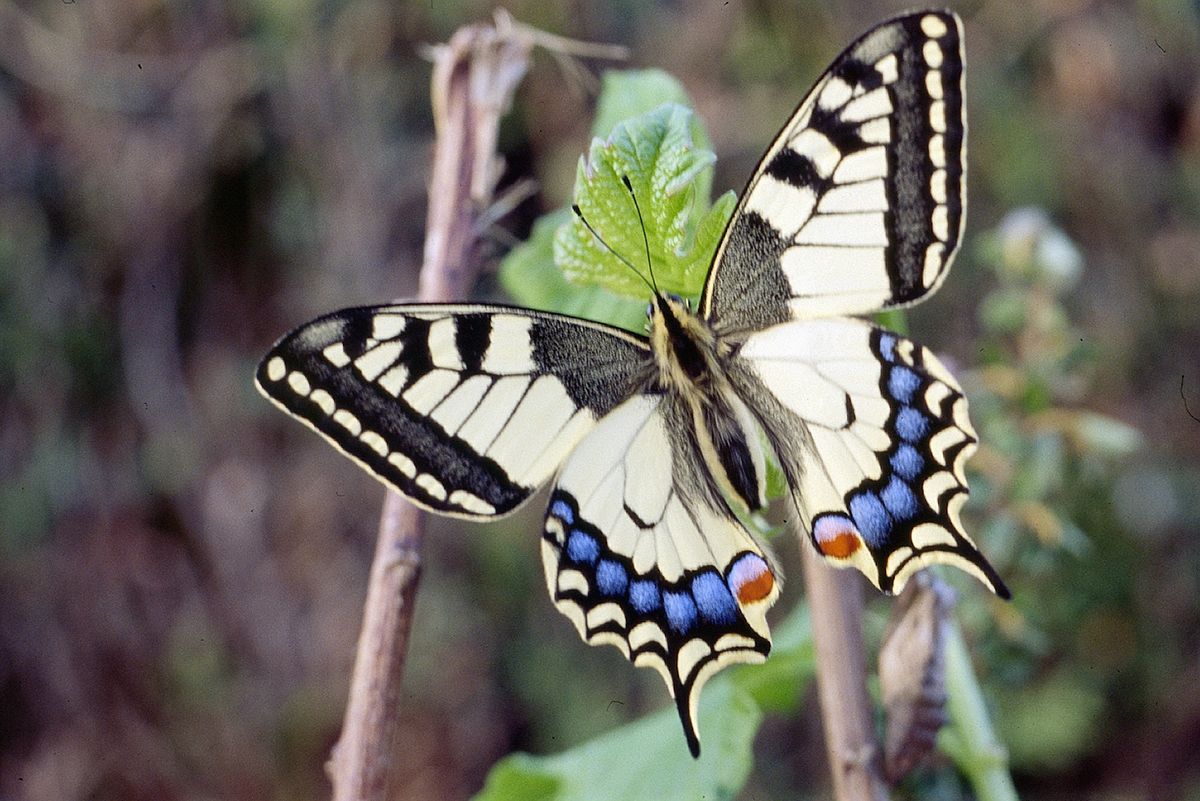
[(465, 409), (873, 434), (641, 553), (858, 204)]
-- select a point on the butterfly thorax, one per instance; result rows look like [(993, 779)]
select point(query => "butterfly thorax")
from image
[(684, 347), (689, 358)]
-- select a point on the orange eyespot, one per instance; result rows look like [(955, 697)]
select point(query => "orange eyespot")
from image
[(750, 579), (836, 536), (840, 546), (757, 588)]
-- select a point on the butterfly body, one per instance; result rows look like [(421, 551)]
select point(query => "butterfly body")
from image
[(692, 363), (657, 446)]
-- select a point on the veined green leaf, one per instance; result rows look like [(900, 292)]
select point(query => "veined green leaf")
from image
[(644, 759), (671, 178)]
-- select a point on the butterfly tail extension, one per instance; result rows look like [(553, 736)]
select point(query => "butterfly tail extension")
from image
[(908, 515), (674, 584), (873, 434), (645, 617)]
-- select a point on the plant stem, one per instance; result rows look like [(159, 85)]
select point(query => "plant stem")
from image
[(836, 604), (970, 739), (474, 76)]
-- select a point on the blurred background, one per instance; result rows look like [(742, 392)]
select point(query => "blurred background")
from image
[(182, 568)]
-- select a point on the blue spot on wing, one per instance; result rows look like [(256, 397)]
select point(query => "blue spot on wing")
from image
[(713, 599), (907, 462), (681, 611), (887, 347), (899, 499), (611, 578), (582, 549), (902, 383), (871, 518), (911, 425), (644, 596), (562, 510)]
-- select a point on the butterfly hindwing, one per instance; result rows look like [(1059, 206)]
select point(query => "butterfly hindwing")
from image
[(873, 435), (641, 552), (858, 204), (464, 409)]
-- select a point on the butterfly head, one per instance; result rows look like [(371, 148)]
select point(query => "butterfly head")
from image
[(668, 303)]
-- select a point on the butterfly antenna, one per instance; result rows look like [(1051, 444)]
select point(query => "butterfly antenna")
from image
[(578, 213), (642, 223)]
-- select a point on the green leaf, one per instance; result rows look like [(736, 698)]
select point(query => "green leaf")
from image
[(645, 759), (780, 683), (521, 776), (628, 93), (649, 136), (625, 94), (648, 759), (530, 276), (671, 177)]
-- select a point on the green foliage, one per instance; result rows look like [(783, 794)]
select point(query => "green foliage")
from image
[(671, 178), (664, 152), (648, 758), (644, 759), (1043, 479)]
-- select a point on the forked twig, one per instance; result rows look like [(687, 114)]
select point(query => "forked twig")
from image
[(474, 77)]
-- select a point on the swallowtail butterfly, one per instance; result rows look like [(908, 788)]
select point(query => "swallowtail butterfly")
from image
[(657, 445)]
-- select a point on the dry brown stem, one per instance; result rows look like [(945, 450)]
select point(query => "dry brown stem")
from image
[(474, 77), (836, 605)]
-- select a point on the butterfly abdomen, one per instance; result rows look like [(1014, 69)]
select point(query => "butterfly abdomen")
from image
[(729, 441)]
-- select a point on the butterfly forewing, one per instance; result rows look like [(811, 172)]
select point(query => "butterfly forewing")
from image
[(641, 552), (873, 435), (464, 409), (858, 204)]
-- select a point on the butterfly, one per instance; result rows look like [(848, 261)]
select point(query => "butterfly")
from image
[(657, 446)]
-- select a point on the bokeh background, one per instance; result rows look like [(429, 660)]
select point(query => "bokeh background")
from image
[(182, 568)]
